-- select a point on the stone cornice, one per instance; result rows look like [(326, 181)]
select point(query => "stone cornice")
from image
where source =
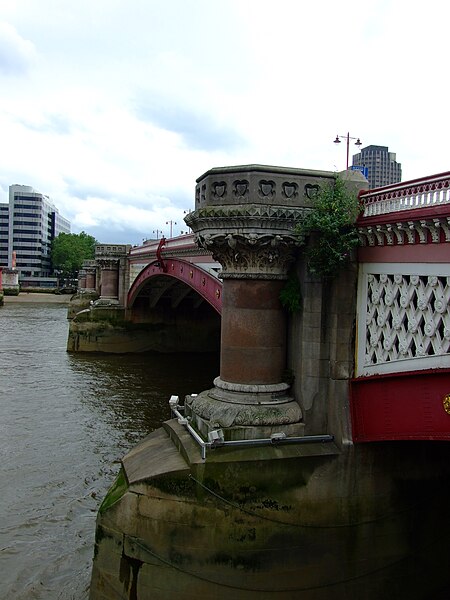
[(240, 215), (420, 231), (266, 169)]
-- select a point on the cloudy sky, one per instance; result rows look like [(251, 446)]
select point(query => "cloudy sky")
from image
[(114, 107)]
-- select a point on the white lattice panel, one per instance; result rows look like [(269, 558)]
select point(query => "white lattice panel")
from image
[(403, 318)]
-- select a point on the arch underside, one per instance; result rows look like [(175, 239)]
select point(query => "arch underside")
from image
[(176, 282)]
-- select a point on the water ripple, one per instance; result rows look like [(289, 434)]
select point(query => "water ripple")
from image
[(65, 422)]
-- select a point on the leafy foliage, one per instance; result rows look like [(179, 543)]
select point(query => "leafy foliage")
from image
[(69, 250), (333, 221), (290, 294)]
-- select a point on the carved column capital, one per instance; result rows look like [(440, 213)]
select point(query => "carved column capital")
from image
[(250, 241), (108, 264)]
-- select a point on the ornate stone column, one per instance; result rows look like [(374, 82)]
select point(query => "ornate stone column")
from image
[(110, 279), (246, 216), (90, 278), (81, 279)]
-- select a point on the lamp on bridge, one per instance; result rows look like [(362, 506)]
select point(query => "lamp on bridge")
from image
[(186, 212), (348, 138), (157, 231), (171, 223)]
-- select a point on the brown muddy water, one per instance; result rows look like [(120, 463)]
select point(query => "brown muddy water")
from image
[(65, 422)]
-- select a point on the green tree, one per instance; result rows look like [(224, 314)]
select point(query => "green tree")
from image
[(69, 250)]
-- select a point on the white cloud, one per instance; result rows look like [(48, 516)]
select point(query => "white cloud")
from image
[(17, 54), (125, 104)]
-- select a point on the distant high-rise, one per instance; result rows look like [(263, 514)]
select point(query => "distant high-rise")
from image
[(28, 224), (381, 164)]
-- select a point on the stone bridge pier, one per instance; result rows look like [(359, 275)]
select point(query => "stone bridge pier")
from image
[(247, 220), (113, 283)]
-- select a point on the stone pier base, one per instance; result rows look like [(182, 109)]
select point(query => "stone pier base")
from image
[(305, 522), (106, 328)]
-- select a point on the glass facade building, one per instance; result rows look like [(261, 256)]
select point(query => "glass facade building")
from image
[(28, 224), (382, 165), (4, 226)]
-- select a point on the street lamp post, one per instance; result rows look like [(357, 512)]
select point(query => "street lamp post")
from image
[(171, 223), (157, 231), (348, 138), (186, 212)]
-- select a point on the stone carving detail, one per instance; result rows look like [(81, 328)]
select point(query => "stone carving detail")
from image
[(311, 190), (108, 264), (240, 188), (248, 235), (251, 255), (266, 189), (261, 215), (406, 232), (289, 190), (219, 189), (408, 316)]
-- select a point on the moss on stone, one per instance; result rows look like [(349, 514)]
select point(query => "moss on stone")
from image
[(115, 492)]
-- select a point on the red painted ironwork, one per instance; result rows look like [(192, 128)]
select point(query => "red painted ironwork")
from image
[(401, 406), (162, 241), (205, 284)]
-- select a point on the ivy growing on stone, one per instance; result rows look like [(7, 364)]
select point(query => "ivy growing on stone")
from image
[(332, 226), (290, 294)]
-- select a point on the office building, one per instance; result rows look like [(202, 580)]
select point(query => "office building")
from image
[(4, 226), (28, 224), (383, 168)]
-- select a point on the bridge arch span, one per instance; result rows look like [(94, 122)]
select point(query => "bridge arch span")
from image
[(207, 286)]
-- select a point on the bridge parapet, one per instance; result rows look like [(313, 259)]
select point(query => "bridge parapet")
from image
[(258, 184), (432, 191), (111, 250), (408, 213)]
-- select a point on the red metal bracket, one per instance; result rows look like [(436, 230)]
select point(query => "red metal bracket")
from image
[(162, 264)]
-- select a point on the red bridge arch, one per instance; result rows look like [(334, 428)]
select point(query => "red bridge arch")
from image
[(205, 284)]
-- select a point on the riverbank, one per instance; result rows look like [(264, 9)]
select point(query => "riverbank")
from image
[(35, 297)]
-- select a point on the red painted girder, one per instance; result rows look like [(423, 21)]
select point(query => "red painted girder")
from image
[(206, 285), (401, 406)]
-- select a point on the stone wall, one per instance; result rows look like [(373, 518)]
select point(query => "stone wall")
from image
[(321, 349)]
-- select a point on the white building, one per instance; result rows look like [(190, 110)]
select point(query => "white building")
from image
[(28, 224)]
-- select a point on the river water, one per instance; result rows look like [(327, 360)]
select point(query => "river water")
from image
[(65, 422)]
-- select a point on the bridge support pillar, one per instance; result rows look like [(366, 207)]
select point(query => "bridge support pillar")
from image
[(109, 280), (247, 219), (82, 279), (90, 278), (253, 344)]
